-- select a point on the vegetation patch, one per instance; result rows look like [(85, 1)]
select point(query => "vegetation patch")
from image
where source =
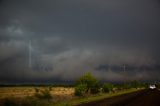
[(86, 89)]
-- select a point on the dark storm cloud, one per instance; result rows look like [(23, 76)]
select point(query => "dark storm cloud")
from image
[(76, 36)]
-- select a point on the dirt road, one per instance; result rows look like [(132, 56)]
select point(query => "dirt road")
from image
[(141, 98)]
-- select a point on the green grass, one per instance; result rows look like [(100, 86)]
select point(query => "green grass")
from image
[(94, 98)]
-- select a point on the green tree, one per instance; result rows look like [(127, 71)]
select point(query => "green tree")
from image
[(92, 84), (80, 89), (95, 87), (107, 87)]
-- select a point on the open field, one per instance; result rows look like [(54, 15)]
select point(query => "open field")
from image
[(58, 93), (61, 96), (29, 91)]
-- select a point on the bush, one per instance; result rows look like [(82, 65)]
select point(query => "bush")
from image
[(43, 94), (80, 89), (92, 84), (95, 88), (107, 87), (50, 88), (36, 89)]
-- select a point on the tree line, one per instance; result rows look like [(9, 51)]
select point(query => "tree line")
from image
[(88, 84)]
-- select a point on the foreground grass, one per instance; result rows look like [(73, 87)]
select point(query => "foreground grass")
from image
[(27, 95), (94, 98)]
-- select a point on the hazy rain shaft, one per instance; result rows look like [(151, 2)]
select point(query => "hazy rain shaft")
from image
[(60, 40)]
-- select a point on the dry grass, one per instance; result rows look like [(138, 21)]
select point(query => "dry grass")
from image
[(25, 96), (16, 91), (56, 92)]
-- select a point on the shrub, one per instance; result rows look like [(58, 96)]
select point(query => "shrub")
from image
[(50, 88), (36, 89), (43, 94), (92, 84), (107, 87), (46, 94), (95, 88), (80, 89)]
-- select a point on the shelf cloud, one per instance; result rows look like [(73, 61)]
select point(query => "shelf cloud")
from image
[(69, 38)]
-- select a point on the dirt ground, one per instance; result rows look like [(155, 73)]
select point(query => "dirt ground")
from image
[(141, 98)]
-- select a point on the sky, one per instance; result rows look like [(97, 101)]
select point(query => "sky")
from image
[(61, 40)]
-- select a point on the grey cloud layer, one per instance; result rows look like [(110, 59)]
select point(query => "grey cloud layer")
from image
[(76, 36)]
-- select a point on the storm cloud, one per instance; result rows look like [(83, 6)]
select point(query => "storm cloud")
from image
[(71, 37)]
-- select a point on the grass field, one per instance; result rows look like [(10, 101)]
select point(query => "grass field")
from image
[(26, 91), (59, 93), (62, 96), (95, 97)]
